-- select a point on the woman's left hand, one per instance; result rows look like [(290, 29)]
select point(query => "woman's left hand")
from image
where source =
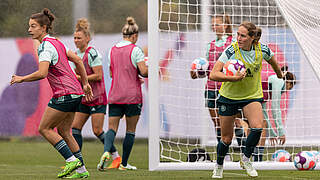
[(16, 79)]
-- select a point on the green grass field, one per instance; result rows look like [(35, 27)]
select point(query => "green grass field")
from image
[(38, 160)]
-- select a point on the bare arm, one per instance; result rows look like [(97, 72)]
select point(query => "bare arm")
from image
[(37, 75), (143, 68), (96, 76), (84, 79), (217, 75), (275, 67)]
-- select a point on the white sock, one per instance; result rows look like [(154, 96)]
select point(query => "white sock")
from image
[(219, 166), (72, 158), (245, 158), (115, 155), (81, 169)]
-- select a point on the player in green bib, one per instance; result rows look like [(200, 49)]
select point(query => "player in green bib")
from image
[(242, 91)]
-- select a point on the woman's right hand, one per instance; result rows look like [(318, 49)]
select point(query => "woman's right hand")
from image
[(88, 92), (240, 75), (282, 139)]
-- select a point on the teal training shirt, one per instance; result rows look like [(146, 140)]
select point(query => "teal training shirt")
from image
[(94, 57)]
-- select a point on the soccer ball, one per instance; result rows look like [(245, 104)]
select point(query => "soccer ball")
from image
[(200, 66), (316, 156), (304, 160), (231, 67), (281, 156)]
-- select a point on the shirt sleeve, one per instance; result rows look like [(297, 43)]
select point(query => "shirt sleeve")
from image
[(46, 52), (137, 55), (266, 52), (277, 85), (227, 54), (94, 58)]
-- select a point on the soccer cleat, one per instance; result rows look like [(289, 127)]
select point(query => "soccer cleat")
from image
[(115, 163), (69, 167), (103, 161), (247, 165), (127, 167), (217, 172), (79, 175)]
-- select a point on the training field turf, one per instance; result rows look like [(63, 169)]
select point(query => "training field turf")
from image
[(38, 160)]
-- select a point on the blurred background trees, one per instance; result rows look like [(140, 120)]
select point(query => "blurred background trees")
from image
[(106, 16)]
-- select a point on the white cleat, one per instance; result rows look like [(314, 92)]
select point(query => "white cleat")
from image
[(249, 168), (128, 167), (217, 172)]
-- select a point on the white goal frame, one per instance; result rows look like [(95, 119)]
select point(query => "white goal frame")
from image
[(154, 112)]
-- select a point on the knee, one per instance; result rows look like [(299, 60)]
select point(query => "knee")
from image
[(227, 139), (97, 131), (41, 130)]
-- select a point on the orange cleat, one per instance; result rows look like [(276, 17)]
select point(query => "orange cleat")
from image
[(115, 163)]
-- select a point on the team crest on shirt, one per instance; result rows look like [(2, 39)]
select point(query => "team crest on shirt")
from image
[(223, 108)]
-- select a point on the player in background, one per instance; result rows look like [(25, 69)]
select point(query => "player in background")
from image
[(67, 91), (242, 91), (125, 96), (222, 26), (273, 89), (96, 108)]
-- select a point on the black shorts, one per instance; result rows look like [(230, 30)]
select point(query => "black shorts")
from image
[(65, 103), (92, 109), (124, 109), (230, 107), (211, 97)]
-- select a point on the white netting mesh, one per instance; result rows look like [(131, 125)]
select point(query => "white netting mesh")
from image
[(185, 29)]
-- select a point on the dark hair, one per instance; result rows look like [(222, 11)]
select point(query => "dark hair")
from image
[(130, 27), (253, 31), (44, 18), (226, 21), (289, 77)]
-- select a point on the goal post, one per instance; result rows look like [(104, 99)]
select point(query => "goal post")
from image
[(179, 122)]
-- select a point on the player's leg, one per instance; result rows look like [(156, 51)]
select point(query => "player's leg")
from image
[(79, 120), (239, 132), (227, 124), (51, 119), (132, 113), (259, 149), (64, 130), (97, 119), (211, 98), (116, 112), (253, 112)]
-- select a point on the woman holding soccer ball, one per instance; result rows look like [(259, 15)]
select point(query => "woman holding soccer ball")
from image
[(67, 90), (222, 26), (126, 62), (242, 91)]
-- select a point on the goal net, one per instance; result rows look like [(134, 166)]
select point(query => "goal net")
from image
[(179, 120)]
